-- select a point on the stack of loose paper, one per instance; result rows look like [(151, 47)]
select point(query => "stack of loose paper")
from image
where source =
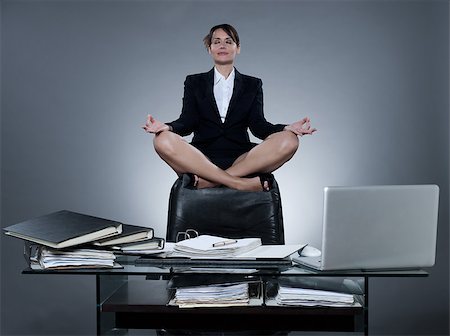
[(291, 296), (218, 295), (206, 246), (48, 258)]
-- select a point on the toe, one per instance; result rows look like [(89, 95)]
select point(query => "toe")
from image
[(196, 180)]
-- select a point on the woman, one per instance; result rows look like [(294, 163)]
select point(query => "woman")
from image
[(219, 107)]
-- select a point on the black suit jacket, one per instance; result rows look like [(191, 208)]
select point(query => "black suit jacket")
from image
[(201, 115)]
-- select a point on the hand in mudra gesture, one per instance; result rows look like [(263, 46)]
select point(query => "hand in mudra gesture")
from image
[(154, 126), (301, 127)]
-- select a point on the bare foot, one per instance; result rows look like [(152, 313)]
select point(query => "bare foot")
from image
[(254, 184), (244, 184), (201, 183)]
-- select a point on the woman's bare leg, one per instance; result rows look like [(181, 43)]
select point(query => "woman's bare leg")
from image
[(268, 156), (185, 158)]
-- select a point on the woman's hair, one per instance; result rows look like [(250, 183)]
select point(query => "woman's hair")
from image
[(229, 29)]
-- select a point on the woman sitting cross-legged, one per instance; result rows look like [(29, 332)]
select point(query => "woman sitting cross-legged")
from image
[(219, 107)]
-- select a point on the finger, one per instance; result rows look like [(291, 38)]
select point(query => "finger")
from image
[(149, 120), (298, 123), (309, 132), (196, 179), (293, 130), (149, 128), (306, 127)]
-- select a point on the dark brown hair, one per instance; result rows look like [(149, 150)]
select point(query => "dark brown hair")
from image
[(229, 29)]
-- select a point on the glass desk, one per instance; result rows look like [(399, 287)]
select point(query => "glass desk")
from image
[(136, 297)]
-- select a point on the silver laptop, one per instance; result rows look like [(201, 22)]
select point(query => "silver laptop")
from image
[(378, 227)]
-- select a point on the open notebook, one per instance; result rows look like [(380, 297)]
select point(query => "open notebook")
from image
[(208, 246), (214, 247)]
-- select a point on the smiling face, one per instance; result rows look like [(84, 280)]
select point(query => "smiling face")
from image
[(223, 49)]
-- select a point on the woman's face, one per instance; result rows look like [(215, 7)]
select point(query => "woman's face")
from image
[(223, 49)]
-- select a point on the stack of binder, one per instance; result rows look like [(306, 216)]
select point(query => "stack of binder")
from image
[(129, 234), (64, 229), (291, 296), (195, 292), (220, 295), (69, 239), (141, 246), (133, 240), (49, 258), (314, 291)]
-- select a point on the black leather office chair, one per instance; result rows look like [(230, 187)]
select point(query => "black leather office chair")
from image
[(225, 212)]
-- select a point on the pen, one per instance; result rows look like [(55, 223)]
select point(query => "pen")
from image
[(225, 242)]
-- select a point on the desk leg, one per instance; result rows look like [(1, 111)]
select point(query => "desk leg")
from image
[(361, 320), (105, 287), (366, 305), (98, 302)]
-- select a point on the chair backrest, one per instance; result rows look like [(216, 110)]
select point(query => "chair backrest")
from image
[(225, 212)]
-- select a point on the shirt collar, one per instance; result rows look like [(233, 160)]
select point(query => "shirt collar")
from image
[(218, 76)]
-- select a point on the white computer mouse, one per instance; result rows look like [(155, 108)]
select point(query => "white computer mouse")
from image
[(309, 251)]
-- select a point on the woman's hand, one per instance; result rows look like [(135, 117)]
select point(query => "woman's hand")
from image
[(154, 126), (301, 127)]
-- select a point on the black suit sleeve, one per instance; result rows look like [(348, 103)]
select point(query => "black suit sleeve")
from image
[(258, 124), (188, 120)]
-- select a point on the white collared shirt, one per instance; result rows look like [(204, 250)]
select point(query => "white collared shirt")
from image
[(223, 90)]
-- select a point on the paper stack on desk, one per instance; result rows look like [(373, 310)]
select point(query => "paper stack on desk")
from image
[(213, 246), (217, 295), (292, 296), (48, 258), (203, 251)]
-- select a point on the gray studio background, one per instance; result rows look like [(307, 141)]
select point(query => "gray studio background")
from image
[(79, 77)]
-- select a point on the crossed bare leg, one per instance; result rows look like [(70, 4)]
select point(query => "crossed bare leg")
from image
[(266, 157)]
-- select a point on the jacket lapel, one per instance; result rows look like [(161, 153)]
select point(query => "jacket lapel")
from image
[(237, 91), (210, 95)]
